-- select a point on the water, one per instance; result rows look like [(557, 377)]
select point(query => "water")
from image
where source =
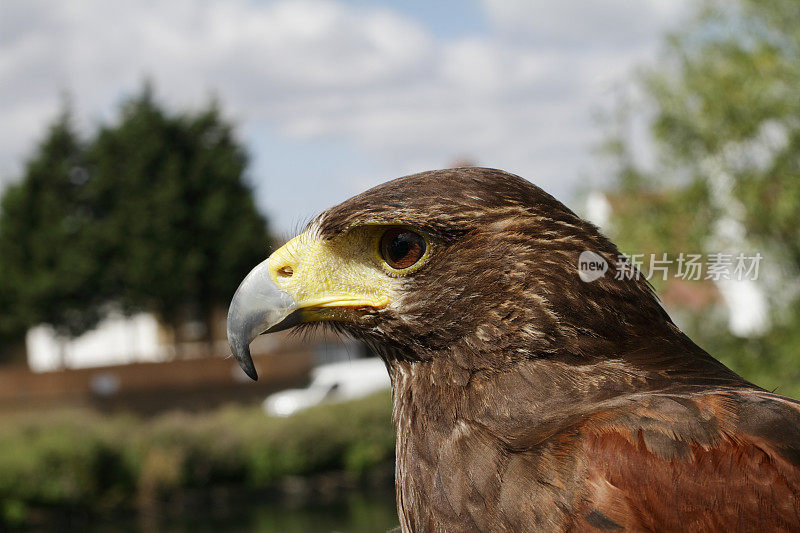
[(354, 512), (357, 513)]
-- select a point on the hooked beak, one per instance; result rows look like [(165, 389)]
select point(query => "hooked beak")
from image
[(305, 280), (258, 306)]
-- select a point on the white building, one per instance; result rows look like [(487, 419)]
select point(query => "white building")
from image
[(117, 340)]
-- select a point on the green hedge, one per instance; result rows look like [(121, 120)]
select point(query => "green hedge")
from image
[(103, 463)]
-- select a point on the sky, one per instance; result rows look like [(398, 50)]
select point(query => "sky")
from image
[(331, 97)]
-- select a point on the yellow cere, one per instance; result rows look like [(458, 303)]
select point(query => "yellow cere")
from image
[(343, 272)]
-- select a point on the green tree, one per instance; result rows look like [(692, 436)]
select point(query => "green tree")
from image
[(724, 113), (153, 213), (176, 210), (725, 102), (46, 241)]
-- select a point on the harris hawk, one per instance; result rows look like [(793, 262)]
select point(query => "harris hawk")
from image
[(525, 398)]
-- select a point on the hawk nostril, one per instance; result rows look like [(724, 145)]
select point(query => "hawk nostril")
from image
[(285, 271)]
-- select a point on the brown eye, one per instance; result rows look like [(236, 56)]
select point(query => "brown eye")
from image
[(401, 248)]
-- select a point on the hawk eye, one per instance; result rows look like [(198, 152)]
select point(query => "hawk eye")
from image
[(401, 248)]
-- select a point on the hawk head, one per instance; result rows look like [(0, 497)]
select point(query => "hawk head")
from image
[(473, 265)]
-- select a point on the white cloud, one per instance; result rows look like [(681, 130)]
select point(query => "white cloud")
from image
[(583, 23), (519, 96)]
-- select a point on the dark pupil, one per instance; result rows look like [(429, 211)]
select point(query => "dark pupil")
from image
[(401, 248)]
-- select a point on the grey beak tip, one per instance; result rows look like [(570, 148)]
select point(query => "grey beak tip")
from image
[(245, 360), (250, 370)]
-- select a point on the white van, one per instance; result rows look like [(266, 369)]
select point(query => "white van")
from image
[(335, 382)]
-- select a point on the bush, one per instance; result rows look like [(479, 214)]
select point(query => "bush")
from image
[(80, 459)]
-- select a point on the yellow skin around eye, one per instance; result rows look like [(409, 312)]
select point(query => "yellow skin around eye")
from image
[(346, 271)]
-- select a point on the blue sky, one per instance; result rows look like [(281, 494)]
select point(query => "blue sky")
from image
[(334, 96), (444, 18)]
